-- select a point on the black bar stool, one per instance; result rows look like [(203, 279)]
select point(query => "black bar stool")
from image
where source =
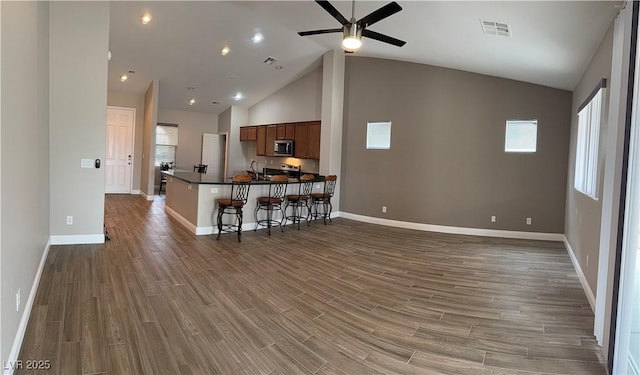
[(324, 199), (200, 168), (272, 202), (300, 201), (233, 205)]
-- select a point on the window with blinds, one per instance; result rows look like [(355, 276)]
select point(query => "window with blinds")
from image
[(166, 143), (521, 136), (587, 145)]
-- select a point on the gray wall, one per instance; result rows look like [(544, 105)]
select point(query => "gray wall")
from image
[(79, 40), (131, 100), (583, 214), (24, 156), (191, 127), (446, 165)]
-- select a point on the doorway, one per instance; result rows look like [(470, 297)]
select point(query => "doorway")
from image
[(119, 150)]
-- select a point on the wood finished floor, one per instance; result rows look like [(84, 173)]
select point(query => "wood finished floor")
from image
[(346, 298)]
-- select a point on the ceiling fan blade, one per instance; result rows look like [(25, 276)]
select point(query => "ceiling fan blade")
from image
[(315, 32), (383, 38), (379, 14), (332, 11)]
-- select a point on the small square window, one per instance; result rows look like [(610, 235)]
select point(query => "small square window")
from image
[(521, 136), (379, 135)]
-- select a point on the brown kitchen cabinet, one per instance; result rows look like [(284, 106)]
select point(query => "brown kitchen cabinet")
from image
[(280, 131), (271, 138), (261, 141), (289, 131), (248, 133), (244, 133), (286, 131), (313, 151), (301, 140)]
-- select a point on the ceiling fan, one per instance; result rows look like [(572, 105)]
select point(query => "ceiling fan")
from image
[(353, 30)]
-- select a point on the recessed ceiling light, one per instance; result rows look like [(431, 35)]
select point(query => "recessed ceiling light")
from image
[(124, 77), (257, 37), (279, 67), (146, 18), (225, 51), (192, 102), (238, 96)]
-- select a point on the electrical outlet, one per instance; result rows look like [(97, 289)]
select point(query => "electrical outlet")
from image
[(384, 209), (69, 220), (528, 221), (271, 161), (189, 187), (214, 190), (493, 218), (18, 300)]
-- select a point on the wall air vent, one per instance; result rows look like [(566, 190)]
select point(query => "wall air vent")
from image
[(270, 60), (495, 28)]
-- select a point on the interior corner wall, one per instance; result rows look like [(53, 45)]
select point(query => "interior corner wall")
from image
[(299, 101), (79, 41), (147, 184), (24, 158), (132, 100), (583, 214), (447, 164)]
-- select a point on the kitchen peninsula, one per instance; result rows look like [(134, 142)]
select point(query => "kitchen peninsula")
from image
[(191, 198)]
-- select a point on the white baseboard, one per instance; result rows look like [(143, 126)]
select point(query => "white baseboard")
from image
[(189, 225), (135, 192), (145, 196), (202, 231), (455, 230), (26, 313), (583, 279), (77, 239)]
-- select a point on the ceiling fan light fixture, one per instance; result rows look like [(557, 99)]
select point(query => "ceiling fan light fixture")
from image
[(352, 39)]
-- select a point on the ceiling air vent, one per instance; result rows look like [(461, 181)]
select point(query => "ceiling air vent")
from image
[(495, 28), (270, 60)]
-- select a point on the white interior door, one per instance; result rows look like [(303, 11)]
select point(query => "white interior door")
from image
[(119, 158), (213, 151)]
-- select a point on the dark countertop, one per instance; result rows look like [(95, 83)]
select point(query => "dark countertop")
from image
[(203, 179)]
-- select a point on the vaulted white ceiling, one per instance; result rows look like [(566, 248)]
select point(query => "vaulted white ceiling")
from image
[(551, 43)]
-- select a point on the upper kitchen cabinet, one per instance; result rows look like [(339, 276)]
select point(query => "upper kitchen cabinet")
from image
[(301, 140), (248, 133), (272, 131), (314, 140), (285, 131), (261, 138), (307, 140)]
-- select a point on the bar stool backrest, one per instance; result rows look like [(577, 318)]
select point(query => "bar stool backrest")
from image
[(278, 186), (330, 185), (306, 184), (240, 188), (200, 168)]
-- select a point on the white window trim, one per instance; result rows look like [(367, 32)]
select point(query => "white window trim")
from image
[(509, 145)]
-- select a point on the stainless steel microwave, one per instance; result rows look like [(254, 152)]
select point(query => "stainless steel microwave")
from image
[(283, 148)]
